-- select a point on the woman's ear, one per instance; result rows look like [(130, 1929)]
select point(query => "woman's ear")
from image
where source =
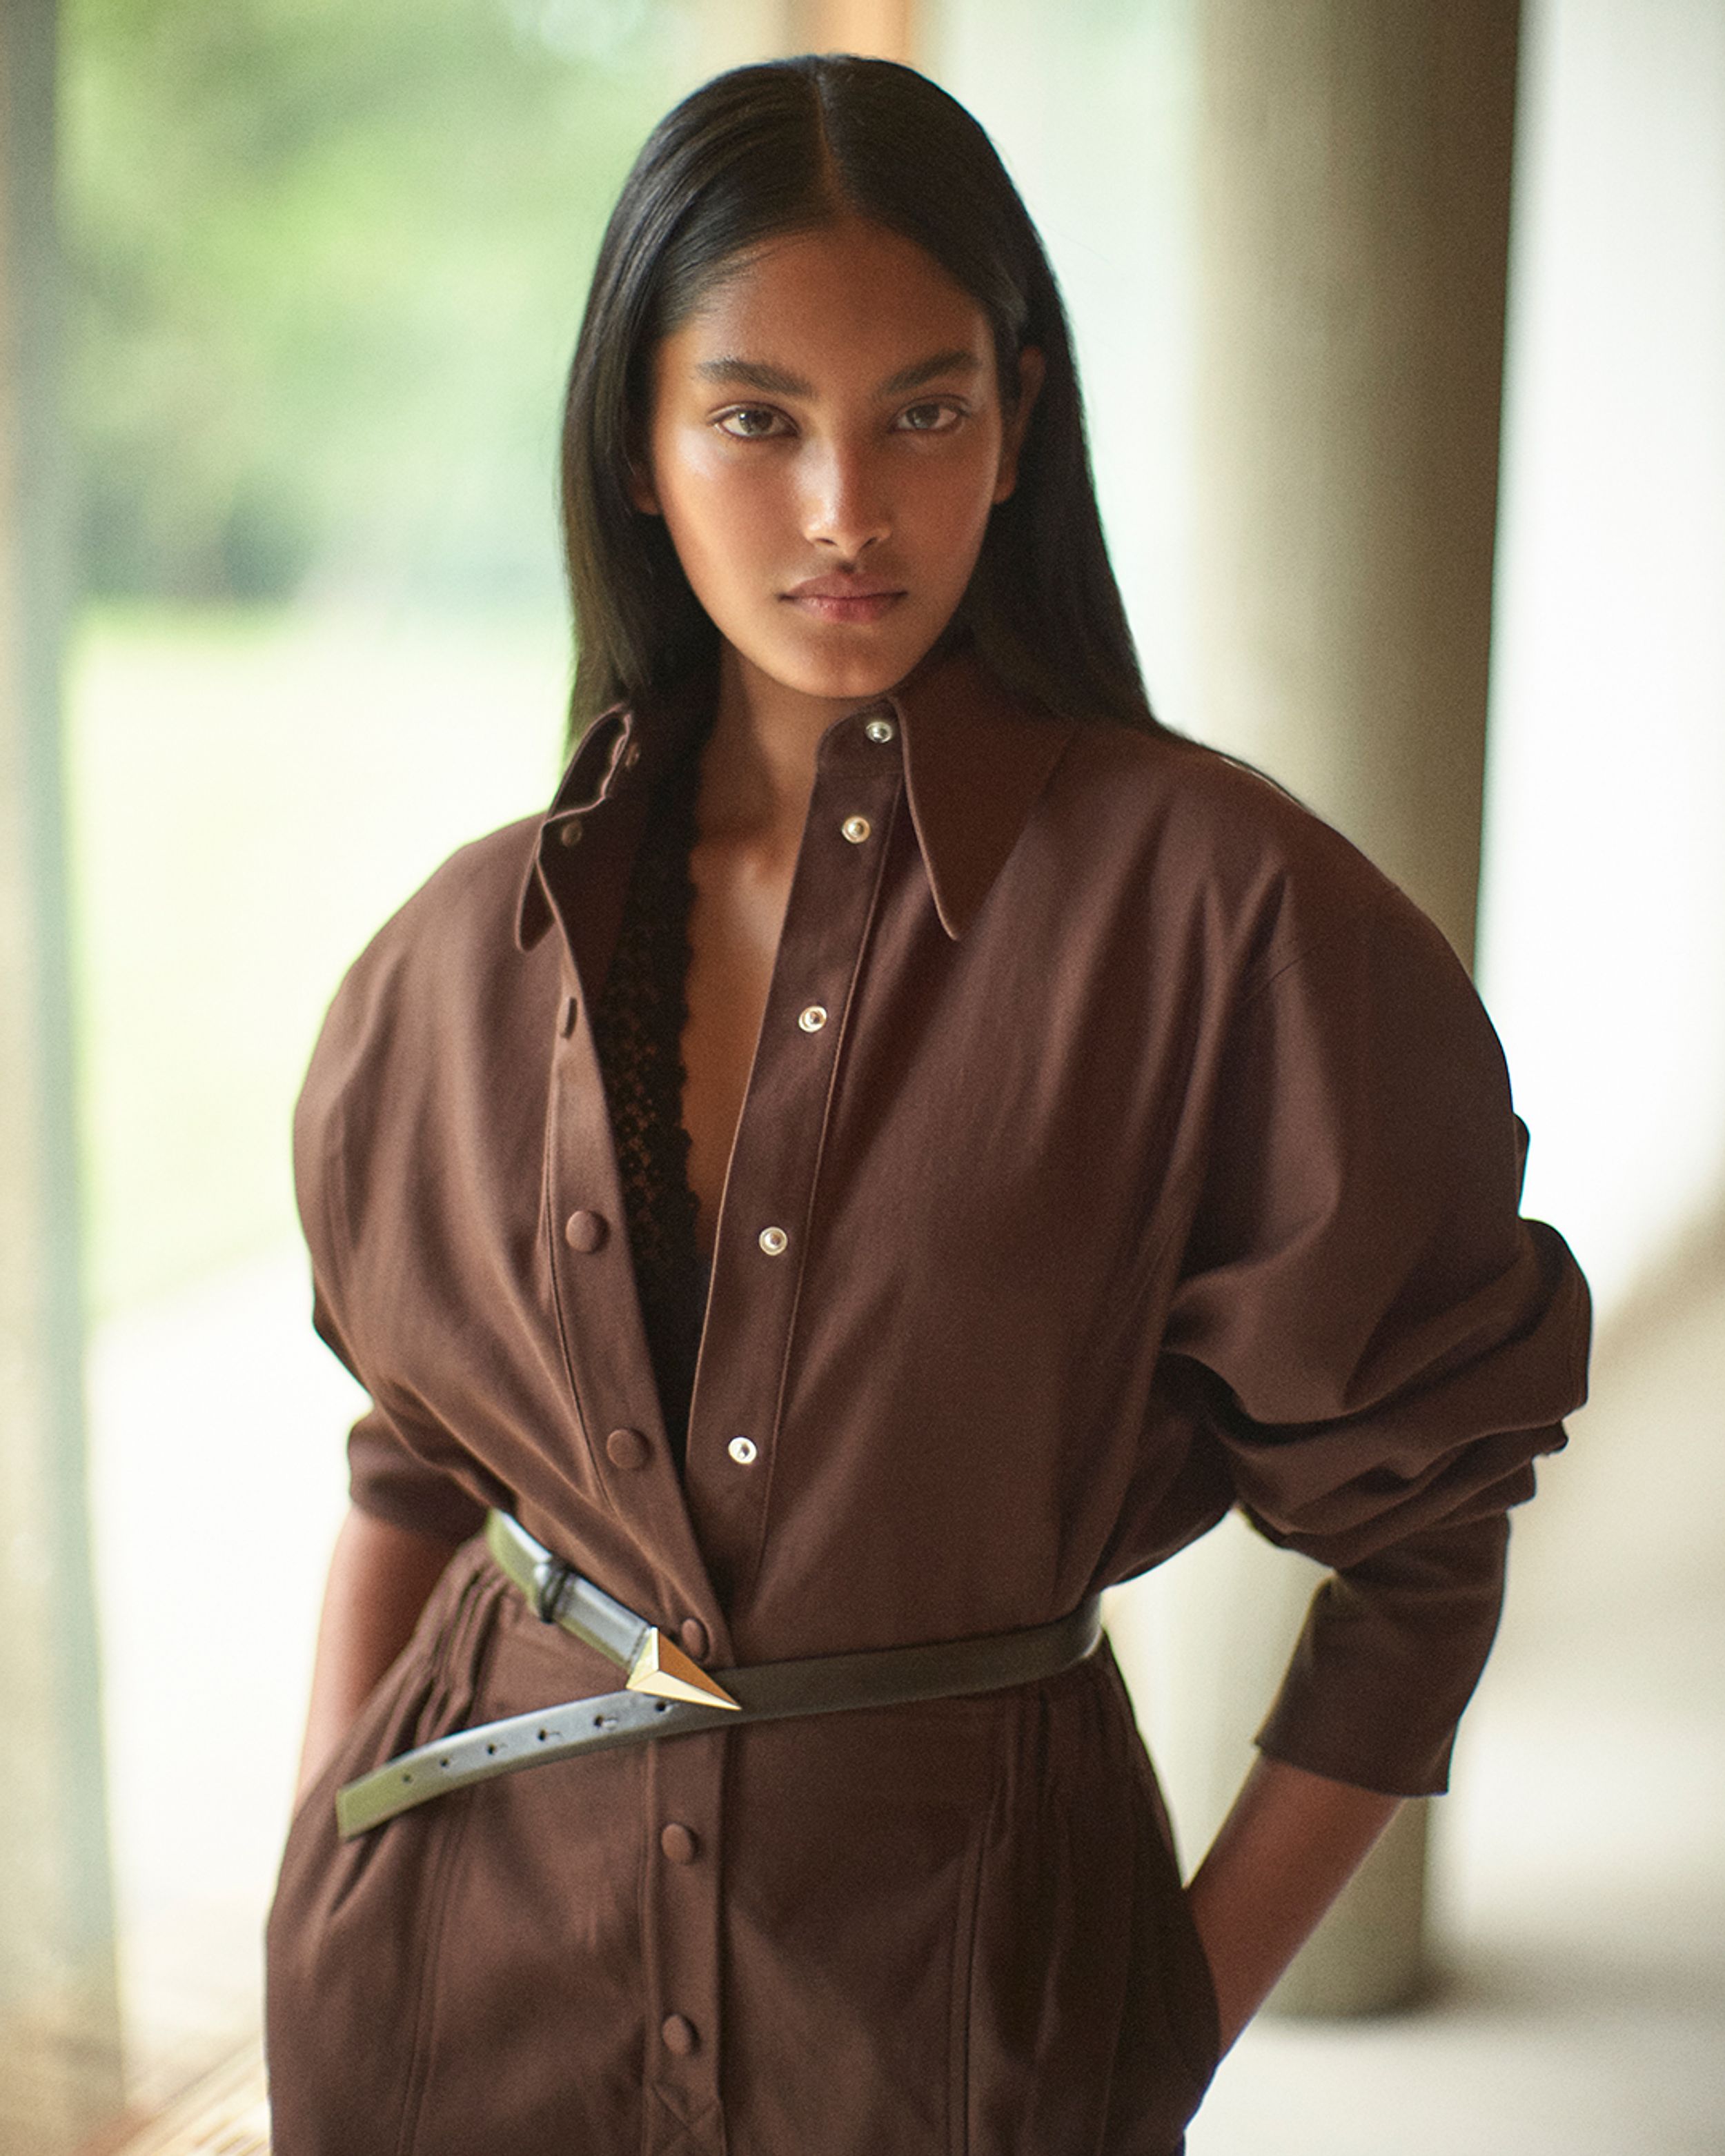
[(1031, 370)]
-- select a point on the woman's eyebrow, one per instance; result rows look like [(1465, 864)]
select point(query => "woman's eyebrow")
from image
[(738, 372), (754, 374), (958, 361)]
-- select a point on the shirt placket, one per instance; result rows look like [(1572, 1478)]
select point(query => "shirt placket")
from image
[(764, 1228), (762, 1248), (594, 1301)]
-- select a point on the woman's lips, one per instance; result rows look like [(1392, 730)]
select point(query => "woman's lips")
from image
[(845, 598)]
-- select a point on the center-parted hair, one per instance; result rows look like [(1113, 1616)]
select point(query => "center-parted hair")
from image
[(789, 146)]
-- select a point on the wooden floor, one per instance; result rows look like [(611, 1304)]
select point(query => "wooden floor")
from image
[(227, 2113)]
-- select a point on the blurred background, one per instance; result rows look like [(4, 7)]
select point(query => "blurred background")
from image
[(1404, 333)]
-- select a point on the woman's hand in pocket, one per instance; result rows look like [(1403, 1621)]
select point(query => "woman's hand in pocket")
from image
[(1286, 1849)]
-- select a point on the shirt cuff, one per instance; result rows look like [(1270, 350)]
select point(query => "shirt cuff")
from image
[(1390, 1653)]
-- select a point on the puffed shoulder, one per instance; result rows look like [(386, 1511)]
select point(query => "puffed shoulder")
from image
[(1378, 1345), (385, 1040), (1217, 860), (430, 954), (1365, 1242)]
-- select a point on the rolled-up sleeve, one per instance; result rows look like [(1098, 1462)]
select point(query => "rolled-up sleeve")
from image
[(1381, 1345)]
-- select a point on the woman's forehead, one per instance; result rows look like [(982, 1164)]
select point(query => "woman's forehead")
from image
[(852, 296)]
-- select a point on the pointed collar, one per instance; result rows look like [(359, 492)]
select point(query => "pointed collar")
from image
[(622, 749), (977, 760), (975, 763)]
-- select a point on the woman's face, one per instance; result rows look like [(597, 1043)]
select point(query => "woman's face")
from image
[(826, 443)]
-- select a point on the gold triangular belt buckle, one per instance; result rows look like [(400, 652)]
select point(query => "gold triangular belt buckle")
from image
[(666, 1671)]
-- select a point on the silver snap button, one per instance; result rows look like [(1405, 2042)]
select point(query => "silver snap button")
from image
[(880, 731), (855, 829), (774, 1241), (814, 1019), (742, 1451)]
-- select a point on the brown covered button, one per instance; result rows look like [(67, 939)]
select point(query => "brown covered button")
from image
[(627, 1448), (679, 2035), (678, 1843), (695, 1639), (570, 833), (585, 1231)]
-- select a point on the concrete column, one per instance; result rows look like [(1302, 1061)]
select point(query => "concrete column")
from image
[(1353, 187), (59, 2039), (1354, 174)]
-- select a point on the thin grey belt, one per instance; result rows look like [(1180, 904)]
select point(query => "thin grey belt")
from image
[(667, 1691)]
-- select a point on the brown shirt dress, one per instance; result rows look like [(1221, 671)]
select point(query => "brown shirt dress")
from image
[(1120, 1147)]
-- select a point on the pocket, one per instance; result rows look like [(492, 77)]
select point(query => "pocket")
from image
[(1168, 1948), (1170, 2028), (966, 1919), (1198, 2028), (1057, 2013), (530, 2030), (353, 1930)]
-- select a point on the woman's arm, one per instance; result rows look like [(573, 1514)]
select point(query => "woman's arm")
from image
[(380, 1577), (1290, 1844)]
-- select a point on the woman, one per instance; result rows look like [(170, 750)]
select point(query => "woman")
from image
[(903, 1143)]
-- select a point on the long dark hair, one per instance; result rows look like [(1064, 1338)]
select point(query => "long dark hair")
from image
[(789, 146)]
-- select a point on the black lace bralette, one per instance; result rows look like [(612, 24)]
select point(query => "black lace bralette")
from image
[(638, 1028)]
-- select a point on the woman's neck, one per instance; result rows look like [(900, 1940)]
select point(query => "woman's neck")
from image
[(758, 771)]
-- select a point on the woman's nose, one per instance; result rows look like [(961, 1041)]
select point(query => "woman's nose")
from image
[(845, 504)]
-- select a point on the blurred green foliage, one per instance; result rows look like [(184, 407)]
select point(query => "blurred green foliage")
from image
[(252, 791), (327, 261)]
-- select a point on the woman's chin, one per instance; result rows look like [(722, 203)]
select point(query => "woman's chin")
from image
[(846, 667)]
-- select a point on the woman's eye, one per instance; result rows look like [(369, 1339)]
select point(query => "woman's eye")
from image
[(749, 422), (929, 418)]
